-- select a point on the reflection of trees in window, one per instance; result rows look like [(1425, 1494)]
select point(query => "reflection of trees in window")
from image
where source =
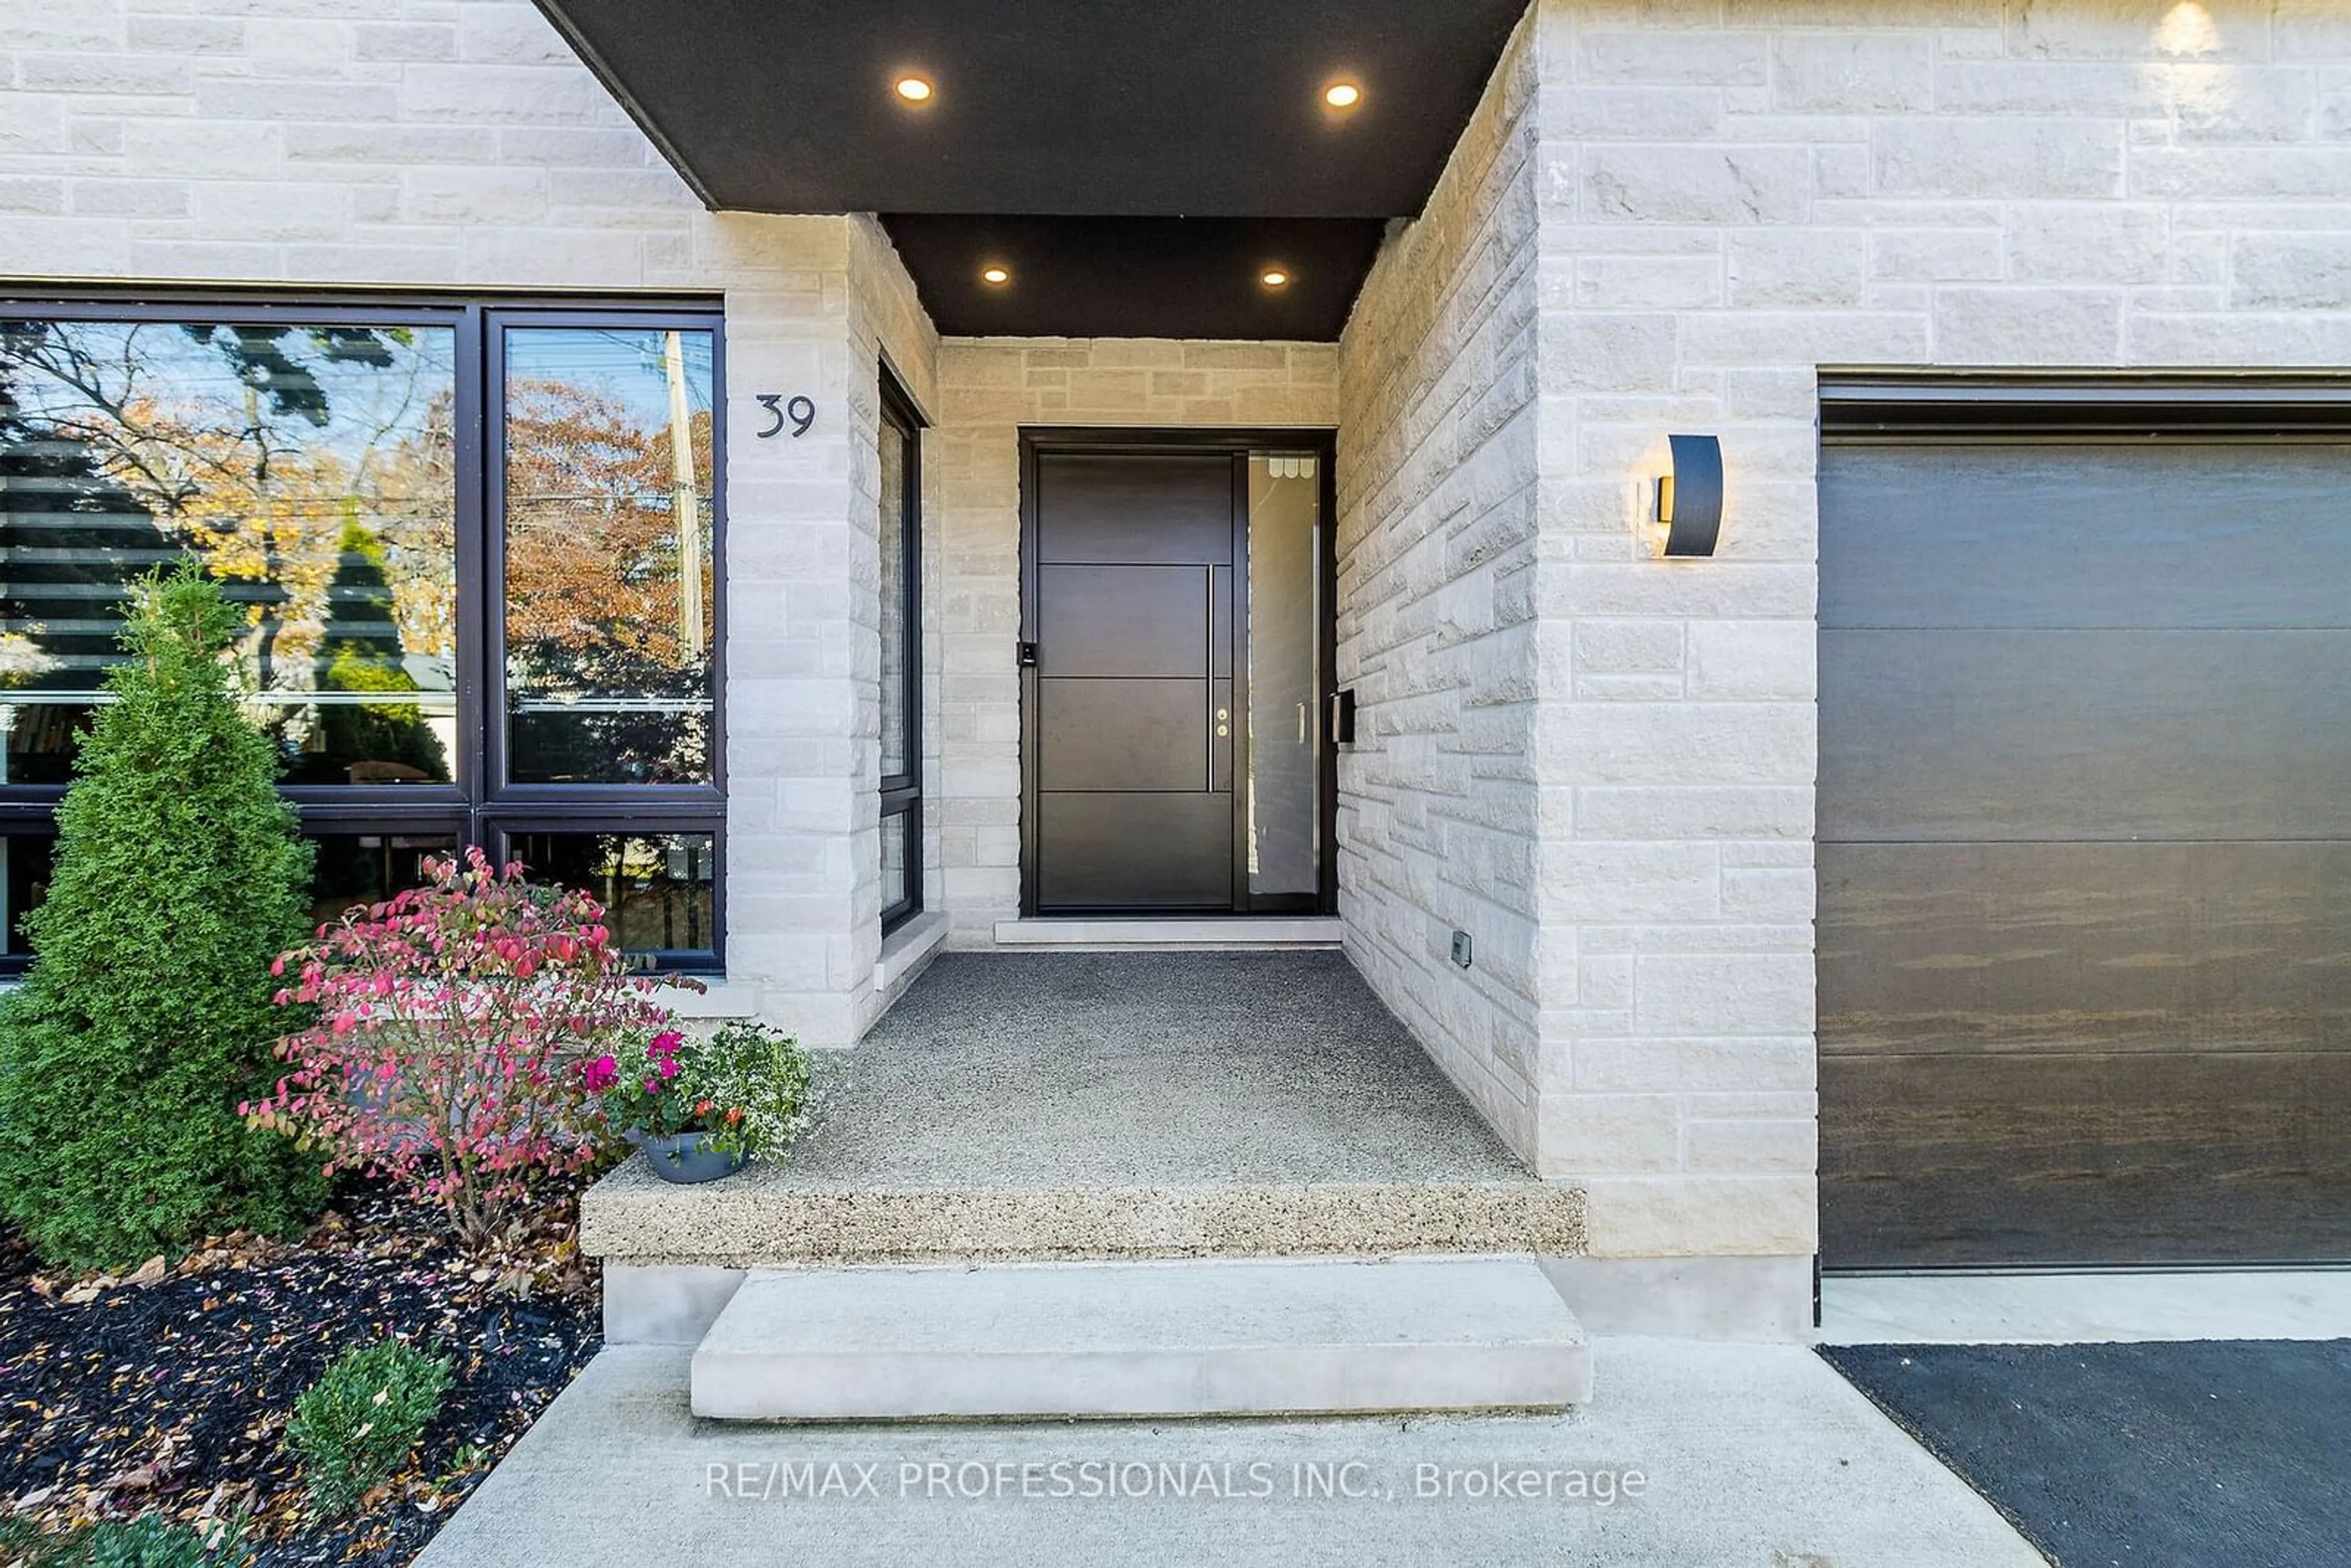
[(312, 469), (67, 528), (372, 742), (608, 592)]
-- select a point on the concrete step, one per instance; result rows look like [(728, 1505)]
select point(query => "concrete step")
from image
[(1195, 1338)]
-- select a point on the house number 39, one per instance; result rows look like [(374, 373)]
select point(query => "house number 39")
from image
[(799, 414)]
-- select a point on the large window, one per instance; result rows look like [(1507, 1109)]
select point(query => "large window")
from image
[(477, 551), (901, 658)]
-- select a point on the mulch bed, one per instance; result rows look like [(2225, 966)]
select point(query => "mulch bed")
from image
[(168, 1392)]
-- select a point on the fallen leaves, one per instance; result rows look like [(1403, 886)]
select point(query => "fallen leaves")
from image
[(167, 1389), (140, 1479)]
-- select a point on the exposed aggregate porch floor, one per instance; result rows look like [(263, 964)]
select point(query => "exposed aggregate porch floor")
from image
[(1116, 1105)]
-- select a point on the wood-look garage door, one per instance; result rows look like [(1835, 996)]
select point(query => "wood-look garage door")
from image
[(2085, 843)]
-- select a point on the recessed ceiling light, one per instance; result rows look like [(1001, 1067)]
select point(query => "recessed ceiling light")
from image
[(1274, 278), (915, 89), (996, 275), (1343, 95)]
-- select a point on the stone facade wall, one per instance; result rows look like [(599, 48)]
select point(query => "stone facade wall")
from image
[(1665, 214), (459, 145), (310, 141), (988, 389), (1733, 193), (1439, 816)]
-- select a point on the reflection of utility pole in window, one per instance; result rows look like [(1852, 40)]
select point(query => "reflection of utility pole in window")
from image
[(686, 503)]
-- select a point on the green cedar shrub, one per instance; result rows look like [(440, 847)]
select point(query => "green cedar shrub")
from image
[(354, 1427), (147, 1016)]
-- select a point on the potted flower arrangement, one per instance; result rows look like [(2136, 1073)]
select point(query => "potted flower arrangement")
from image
[(701, 1110)]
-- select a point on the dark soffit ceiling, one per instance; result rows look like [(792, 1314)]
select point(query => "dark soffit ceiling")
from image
[(1068, 110), (1137, 278)]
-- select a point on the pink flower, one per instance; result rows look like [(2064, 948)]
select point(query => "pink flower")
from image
[(601, 1074), (653, 1086), (667, 1068), (669, 1039)]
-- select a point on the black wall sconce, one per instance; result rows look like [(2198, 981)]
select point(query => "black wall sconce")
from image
[(1689, 496)]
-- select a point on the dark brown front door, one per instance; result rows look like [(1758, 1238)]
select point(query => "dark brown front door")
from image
[(1134, 715)]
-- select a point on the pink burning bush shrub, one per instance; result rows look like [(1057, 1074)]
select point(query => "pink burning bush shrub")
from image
[(456, 1029)]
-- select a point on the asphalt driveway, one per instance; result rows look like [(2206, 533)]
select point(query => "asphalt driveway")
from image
[(2155, 1453)]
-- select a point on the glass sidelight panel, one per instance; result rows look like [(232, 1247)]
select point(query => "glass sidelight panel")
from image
[(312, 469), (1285, 616), (611, 589), (901, 453), (897, 634)]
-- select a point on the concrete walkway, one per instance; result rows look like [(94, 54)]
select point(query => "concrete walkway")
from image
[(1709, 1455), (2087, 1308)]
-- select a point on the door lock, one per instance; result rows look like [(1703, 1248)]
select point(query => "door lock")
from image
[(1223, 723)]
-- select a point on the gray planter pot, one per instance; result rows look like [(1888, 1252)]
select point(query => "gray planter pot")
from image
[(687, 1158)]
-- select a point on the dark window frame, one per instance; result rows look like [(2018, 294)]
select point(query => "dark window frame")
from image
[(902, 792), (498, 791), (478, 805)]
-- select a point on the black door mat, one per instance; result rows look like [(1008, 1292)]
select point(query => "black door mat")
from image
[(2137, 1455)]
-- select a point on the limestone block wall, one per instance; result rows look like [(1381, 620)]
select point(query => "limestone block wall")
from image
[(988, 389), (458, 144), (1733, 193), (1441, 819)]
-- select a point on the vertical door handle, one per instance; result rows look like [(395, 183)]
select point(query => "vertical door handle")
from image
[(1301, 723)]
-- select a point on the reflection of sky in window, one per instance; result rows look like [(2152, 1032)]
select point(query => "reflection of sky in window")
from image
[(624, 364), (364, 401), (193, 379)]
